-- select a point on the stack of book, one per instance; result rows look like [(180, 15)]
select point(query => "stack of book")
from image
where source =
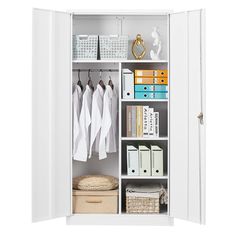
[(151, 84), (142, 121)]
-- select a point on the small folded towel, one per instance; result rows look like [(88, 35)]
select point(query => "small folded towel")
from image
[(154, 191)]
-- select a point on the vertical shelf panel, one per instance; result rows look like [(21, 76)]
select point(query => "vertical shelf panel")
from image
[(120, 134)]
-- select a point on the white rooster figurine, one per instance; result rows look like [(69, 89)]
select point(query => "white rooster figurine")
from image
[(155, 54)]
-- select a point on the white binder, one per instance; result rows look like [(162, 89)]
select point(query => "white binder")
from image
[(157, 160), (127, 84), (132, 160), (144, 161)]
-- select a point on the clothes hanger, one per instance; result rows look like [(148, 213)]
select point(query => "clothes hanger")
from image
[(110, 82), (90, 83), (79, 83), (101, 81)]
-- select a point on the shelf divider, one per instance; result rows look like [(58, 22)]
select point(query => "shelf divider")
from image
[(144, 100), (143, 177), (142, 138)]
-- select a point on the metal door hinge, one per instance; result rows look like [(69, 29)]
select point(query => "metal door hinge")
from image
[(200, 117)]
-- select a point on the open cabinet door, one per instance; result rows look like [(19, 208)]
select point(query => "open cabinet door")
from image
[(51, 118), (187, 124)]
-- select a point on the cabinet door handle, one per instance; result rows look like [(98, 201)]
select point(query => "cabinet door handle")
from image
[(94, 201), (200, 117)]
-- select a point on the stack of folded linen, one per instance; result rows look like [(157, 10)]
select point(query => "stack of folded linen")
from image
[(154, 191)]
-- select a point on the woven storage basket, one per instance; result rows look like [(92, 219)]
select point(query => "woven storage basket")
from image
[(95, 182), (85, 47), (113, 47), (142, 203)]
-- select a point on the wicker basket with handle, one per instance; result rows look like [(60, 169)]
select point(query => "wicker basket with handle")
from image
[(142, 205), (143, 199)]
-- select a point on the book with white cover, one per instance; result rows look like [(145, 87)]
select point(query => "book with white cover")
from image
[(151, 122), (144, 161), (145, 121), (132, 160), (156, 124), (157, 160)]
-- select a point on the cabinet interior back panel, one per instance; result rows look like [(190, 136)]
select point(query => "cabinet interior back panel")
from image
[(126, 25), (94, 166)]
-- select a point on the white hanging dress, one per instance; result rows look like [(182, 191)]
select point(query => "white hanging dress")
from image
[(97, 108), (108, 138), (77, 103), (82, 150)]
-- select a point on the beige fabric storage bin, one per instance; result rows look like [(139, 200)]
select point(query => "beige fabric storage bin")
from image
[(95, 201)]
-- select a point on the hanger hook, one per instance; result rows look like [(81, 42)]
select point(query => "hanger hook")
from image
[(100, 74), (89, 74), (79, 74), (110, 74)]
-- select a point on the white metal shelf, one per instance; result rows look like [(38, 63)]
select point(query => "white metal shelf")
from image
[(144, 61), (146, 214), (144, 100), (144, 138), (120, 61), (143, 177)]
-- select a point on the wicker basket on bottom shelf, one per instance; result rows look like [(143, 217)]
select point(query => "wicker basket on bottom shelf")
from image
[(142, 205), (145, 199)]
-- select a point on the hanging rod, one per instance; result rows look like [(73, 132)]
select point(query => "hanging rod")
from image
[(95, 70)]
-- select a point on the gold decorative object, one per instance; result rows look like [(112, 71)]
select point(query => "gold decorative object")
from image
[(138, 48)]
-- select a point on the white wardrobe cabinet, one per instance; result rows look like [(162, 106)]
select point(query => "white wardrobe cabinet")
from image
[(182, 115)]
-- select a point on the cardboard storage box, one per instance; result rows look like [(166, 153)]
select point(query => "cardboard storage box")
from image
[(95, 201)]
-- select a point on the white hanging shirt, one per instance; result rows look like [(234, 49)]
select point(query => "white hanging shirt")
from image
[(77, 103), (81, 153), (97, 107), (108, 138)]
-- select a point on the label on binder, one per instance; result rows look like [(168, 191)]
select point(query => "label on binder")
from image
[(132, 160), (157, 160), (144, 161)]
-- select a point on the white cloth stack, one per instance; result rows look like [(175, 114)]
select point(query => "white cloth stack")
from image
[(154, 191)]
